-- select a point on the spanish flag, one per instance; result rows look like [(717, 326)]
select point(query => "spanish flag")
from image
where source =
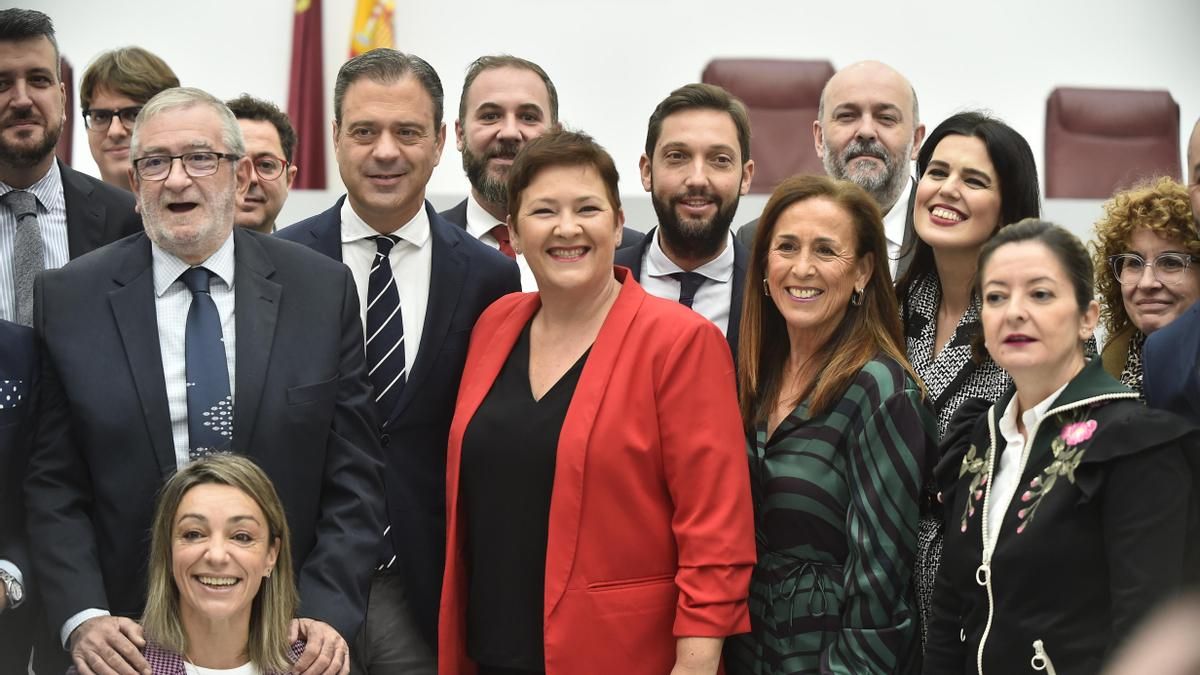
[(306, 96), (372, 26)]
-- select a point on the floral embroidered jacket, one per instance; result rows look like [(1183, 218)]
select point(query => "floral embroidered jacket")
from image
[(1093, 537)]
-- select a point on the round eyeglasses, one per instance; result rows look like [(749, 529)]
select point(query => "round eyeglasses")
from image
[(99, 119), (1169, 268), (195, 164)]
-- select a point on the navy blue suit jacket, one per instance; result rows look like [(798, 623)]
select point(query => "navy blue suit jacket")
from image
[(1171, 366), (632, 258), (103, 443), (465, 278)]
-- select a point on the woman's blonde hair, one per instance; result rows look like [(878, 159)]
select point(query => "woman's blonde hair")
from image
[(274, 606), (1160, 205)]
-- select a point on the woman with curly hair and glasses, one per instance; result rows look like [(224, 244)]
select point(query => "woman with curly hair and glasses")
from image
[(1145, 255)]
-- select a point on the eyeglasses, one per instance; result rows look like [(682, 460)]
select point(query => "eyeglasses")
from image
[(1128, 268), (195, 164), (269, 167), (97, 119)]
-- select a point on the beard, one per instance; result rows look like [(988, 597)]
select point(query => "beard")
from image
[(694, 238), (493, 189), (884, 186), (23, 155)]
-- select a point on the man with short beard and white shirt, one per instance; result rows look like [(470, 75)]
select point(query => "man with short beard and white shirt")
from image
[(506, 102), (868, 131)]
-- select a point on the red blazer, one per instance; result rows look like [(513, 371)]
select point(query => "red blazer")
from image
[(651, 524)]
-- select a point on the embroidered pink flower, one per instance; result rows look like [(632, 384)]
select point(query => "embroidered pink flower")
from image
[(1078, 432)]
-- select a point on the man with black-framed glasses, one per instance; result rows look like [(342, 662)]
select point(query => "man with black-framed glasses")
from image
[(112, 90), (270, 144)]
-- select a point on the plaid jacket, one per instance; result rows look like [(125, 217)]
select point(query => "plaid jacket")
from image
[(164, 662)]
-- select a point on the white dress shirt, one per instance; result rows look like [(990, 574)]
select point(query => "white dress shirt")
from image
[(893, 225), (172, 300), (52, 221), (480, 224), (1012, 464), (412, 263), (714, 295)]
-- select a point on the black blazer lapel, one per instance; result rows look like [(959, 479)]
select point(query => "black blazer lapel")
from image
[(447, 273), (133, 308), (740, 259), (631, 256), (327, 233), (256, 303), (85, 216)]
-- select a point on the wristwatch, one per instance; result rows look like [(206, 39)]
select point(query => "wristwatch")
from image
[(14, 590)]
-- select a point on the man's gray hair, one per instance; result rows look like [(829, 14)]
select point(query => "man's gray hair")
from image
[(187, 97)]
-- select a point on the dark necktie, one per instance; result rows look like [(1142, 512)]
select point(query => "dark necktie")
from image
[(689, 283), (28, 252), (385, 330), (500, 232), (209, 404)]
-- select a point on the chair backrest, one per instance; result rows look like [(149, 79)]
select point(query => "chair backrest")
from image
[(782, 97), (1099, 141)]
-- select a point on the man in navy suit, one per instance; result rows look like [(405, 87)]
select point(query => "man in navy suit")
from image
[(433, 279), (506, 102), (143, 341), (1171, 359), (696, 167)]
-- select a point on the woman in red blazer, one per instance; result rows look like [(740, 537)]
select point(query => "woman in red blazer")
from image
[(598, 498)]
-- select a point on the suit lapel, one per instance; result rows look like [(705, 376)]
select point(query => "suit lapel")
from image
[(132, 303), (256, 308), (85, 217), (567, 501), (327, 235), (632, 256), (448, 270), (740, 256)]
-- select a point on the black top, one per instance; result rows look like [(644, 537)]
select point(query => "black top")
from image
[(508, 458)]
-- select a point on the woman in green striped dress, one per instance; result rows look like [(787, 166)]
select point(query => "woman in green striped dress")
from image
[(838, 432)]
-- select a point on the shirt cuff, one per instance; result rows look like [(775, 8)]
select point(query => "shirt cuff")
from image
[(12, 569), (77, 620)]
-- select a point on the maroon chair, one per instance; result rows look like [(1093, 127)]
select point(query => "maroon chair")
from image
[(1099, 141), (782, 97)]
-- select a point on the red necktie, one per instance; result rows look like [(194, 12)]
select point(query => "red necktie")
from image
[(500, 232)]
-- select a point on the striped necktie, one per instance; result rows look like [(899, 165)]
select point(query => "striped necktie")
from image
[(385, 330)]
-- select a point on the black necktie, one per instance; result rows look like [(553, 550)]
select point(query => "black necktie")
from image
[(689, 283), (209, 403), (28, 252), (385, 330)]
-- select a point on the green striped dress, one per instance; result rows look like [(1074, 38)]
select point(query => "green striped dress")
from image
[(836, 511)]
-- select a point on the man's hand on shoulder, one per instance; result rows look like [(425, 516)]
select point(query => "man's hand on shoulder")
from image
[(325, 652), (109, 645)]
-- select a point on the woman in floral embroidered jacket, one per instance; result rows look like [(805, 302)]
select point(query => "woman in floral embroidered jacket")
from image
[(1067, 504)]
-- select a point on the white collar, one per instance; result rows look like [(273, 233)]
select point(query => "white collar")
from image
[(167, 267), (718, 269), (354, 228), (479, 221), (1031, 417)]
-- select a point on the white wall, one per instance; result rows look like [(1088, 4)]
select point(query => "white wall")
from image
[(613, 61)]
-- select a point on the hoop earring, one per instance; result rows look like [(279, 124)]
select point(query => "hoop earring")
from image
[(766, 291), (856, 298)]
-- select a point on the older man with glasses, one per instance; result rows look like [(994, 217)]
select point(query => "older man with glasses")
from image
[(270, 142), (197, 338), (113, 89)]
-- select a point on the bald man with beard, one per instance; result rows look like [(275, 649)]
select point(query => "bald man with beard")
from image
[(868, 131)]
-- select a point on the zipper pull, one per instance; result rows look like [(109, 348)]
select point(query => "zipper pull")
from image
[(983, 574), (1040, 660)]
